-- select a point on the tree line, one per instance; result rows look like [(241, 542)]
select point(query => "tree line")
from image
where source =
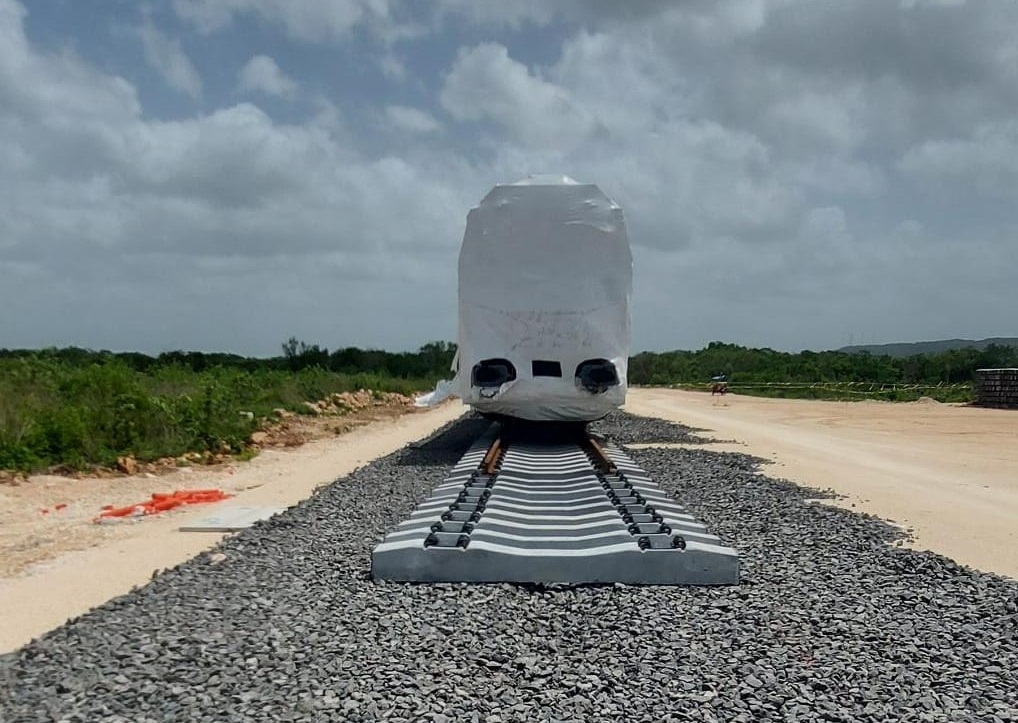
[(748, 366), (432, 361)]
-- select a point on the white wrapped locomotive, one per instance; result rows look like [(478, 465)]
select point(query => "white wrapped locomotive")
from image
[(545, 285)]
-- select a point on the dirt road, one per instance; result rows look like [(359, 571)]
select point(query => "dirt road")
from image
[(949, 472)]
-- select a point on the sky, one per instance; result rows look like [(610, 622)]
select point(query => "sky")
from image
[(221, 175)]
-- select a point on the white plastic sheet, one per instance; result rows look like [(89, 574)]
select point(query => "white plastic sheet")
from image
[(545, 273), (443, 390)]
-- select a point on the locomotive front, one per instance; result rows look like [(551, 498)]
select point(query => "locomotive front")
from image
[(545, 286)]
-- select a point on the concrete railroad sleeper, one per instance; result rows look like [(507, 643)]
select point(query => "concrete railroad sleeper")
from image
[(517, 511)]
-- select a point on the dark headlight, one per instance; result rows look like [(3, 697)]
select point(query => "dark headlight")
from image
[(597, 375), (492, 373)]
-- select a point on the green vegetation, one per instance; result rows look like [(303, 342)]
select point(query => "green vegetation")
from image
[(945, 376), (77, 408)]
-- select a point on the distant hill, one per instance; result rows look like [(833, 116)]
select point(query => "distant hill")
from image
[(904, 349)]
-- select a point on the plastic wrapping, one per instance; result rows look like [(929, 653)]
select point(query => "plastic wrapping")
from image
[(545, 285), (443, 390)]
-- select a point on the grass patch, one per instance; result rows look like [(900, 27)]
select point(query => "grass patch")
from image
[(79, 415)]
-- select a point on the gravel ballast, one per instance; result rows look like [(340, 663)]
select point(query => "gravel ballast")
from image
[(832, 622)]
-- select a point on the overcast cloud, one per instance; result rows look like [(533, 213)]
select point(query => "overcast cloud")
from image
[(794, 173), (262, 74)]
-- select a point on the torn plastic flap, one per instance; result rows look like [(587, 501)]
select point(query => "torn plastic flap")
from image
[(443, 390)]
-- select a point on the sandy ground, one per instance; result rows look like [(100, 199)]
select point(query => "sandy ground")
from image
[(59, 565), (946, 473)]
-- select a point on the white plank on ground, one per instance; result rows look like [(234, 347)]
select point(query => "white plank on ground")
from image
[(230, 518)]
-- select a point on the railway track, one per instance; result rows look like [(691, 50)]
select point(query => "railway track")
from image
[(523, 505)]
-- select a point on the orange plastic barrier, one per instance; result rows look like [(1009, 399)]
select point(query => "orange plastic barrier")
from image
[(161, 502)]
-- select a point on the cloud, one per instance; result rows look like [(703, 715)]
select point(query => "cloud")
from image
[(985, 160), (608, 113), (148, 224), (392, 67), (490, 13), (308, 20), (411, 120), (233, 182), (486, 84), (523, 14), (261, 73), (763, 139), (167, 57), (791, 172)]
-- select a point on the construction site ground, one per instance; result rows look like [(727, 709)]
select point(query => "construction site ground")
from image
[(59, 564), (943, 472)]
